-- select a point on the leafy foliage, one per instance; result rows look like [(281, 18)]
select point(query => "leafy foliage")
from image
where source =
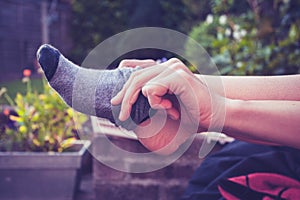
[(41, 122), (95, 21), (253, 42)]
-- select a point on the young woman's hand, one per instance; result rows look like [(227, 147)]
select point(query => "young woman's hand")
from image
[(252, 104), (160, 83)]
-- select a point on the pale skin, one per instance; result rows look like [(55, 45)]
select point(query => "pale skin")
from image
[(260, 109)]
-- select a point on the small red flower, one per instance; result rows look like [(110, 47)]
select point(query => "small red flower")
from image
[(6, 112), (26, 72)]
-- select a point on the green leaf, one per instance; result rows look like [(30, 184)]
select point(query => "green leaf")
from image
[(293, 33)]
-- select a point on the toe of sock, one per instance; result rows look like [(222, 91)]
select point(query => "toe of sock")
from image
[(48, 58)]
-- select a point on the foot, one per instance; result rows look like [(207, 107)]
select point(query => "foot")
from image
[(48, 57)]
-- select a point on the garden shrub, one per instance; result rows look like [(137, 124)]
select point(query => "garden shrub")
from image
[(262, 40)]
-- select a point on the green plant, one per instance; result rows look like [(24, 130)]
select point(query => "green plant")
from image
[(263, 40), (42, 121), (103, 19)]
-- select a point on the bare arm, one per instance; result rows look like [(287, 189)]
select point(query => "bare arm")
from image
[(266, 109), (258, 87), (273, 121), (258, 109)]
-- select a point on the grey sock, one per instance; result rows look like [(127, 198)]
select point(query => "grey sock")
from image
[(89, 91)]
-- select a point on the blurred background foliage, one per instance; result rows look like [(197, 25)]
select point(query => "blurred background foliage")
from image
[(254, 37), (262, 38), (95, 21)]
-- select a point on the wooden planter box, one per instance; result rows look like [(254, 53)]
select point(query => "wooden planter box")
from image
[(47, 176)]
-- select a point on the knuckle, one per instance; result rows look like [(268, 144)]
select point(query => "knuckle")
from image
[(149, 90), (123, 62), (135, 74), (177, 67), (134, 77), (186, 76), (150, 61), (174, 60), (145, 92)]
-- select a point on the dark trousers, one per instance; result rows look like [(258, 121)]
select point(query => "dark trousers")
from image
[(237, 159)]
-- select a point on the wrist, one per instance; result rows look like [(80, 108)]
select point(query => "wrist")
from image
[(218, 119), (233, 109)]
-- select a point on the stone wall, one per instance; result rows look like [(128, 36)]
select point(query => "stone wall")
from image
[(167, 183)]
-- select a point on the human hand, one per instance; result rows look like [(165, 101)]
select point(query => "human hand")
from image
[(134, 63), (158, 83)]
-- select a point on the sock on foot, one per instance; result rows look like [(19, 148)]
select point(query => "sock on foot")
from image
[(89, 91)]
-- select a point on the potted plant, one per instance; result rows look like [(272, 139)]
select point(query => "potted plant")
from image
[(40, 156)]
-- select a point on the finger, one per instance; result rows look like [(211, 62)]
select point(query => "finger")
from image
[(168, 82), (155, 95), (126, 106), (125, 111), (176, 64), (134, 62), (173, 113), (144, 74), (158, 99), (132, 88), (127, 102), (174, 82), (116, 100), (159, 102)]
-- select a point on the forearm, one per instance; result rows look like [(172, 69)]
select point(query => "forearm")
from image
[(266, 121), (256, 87)]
